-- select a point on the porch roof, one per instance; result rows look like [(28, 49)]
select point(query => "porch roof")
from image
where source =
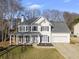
[(27, 33)]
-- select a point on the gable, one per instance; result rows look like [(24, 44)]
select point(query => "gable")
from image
[(43, 21)]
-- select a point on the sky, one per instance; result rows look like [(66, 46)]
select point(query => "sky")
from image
[(61, 5)]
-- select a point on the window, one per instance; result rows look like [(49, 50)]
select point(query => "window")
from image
[(34, 28), (20, 39), (27, 39), (44, 39), (45, 28), (28, 28), (21, 28), (52, 28), (35, 37)]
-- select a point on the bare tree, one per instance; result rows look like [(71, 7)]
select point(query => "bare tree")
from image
[(70, 18), (32, 13), (47, 13), (54, 15), (10, 8)]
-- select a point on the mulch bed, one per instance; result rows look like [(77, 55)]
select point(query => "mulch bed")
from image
[(45, 44)]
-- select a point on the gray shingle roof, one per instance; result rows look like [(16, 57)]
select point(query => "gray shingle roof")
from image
[(60, 27), (27, 22)]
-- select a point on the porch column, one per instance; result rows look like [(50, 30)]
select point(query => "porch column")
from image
[(24, 39), (31, 39), (13, 40), (38, 39), (10, 40), (17, 38)]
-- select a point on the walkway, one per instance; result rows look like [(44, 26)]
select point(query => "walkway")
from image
[(69, 51)]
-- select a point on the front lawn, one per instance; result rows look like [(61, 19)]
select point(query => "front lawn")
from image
[(32, 53)]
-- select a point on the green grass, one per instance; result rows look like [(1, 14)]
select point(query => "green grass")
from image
[(32, 53)]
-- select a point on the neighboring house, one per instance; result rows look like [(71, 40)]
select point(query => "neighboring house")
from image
[(41, 30), (76, 29)]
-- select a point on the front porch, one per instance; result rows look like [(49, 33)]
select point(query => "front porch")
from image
[(24, 39), (28, 38)]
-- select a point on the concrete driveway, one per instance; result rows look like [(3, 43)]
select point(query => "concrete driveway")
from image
[(69, 51)]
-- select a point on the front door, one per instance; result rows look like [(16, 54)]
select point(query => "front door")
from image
[(34, 38), (20, 41), (27, 39)]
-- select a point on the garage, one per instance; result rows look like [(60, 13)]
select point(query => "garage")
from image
[(60, 33), (61, 37)]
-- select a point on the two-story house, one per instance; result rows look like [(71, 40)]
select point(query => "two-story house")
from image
[(41, 30)]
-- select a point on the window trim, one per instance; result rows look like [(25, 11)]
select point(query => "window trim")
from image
[(44, 28), (44, 38), (28, 28), (20, 39), (21, 28), (36, 28), (27, 39)]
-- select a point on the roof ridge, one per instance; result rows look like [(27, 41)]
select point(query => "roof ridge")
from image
[(36, 20)]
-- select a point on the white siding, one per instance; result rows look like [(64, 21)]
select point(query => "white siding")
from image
[(61, 37), (44, 22), (76, 29)]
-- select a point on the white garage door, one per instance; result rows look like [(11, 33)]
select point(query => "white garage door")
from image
[(60, 39)]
